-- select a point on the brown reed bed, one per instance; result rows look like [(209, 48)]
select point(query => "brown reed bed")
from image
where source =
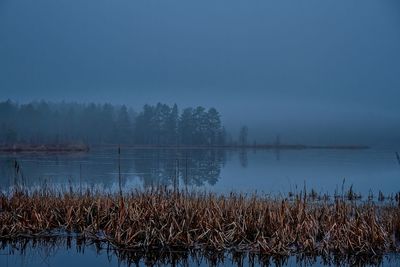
[(164, 219)]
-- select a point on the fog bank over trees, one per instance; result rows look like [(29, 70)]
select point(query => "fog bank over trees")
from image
[(42, 122), (160, 124)]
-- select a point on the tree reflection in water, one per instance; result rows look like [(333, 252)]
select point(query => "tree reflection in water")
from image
[(190, 167), (99, 168)]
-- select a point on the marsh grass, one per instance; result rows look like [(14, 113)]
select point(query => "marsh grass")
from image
[(159, 219)]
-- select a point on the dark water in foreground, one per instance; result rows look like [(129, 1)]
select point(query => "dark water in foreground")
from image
[(265, 171), (62, 253), (219, 170)]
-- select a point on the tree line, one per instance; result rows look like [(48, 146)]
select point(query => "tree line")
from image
[(160, 124)]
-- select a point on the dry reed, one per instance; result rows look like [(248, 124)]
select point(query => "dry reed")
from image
[(162, 218)]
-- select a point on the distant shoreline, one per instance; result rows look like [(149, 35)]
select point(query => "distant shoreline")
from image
[(84, 148), (43, 148), (264, 146)]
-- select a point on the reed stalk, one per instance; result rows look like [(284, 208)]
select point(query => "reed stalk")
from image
[(163, 218)]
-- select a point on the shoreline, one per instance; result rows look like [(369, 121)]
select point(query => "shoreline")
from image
[(44, 148), (21, 148), (264, 146)]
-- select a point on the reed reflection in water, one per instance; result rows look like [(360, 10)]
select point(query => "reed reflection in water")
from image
[(76, 251)]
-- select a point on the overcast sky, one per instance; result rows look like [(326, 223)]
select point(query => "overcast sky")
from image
[(320, 69)]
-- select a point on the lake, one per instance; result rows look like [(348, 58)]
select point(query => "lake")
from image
[(273, 172), (60, 252), (219, 170)]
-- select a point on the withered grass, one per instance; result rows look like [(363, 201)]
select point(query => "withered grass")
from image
[(163, 218)]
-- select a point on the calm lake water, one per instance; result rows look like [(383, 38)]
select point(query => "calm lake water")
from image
[(59, 253), (218, 170)]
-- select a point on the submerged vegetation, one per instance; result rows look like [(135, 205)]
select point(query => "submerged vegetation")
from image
[(168, 219)]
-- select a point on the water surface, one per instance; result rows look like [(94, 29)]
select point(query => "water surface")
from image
[(59, 252), (218, 170)]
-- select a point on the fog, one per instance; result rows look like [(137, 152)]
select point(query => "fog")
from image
[(317, 72)]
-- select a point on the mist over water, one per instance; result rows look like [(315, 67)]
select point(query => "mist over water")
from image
[(316, 72)]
